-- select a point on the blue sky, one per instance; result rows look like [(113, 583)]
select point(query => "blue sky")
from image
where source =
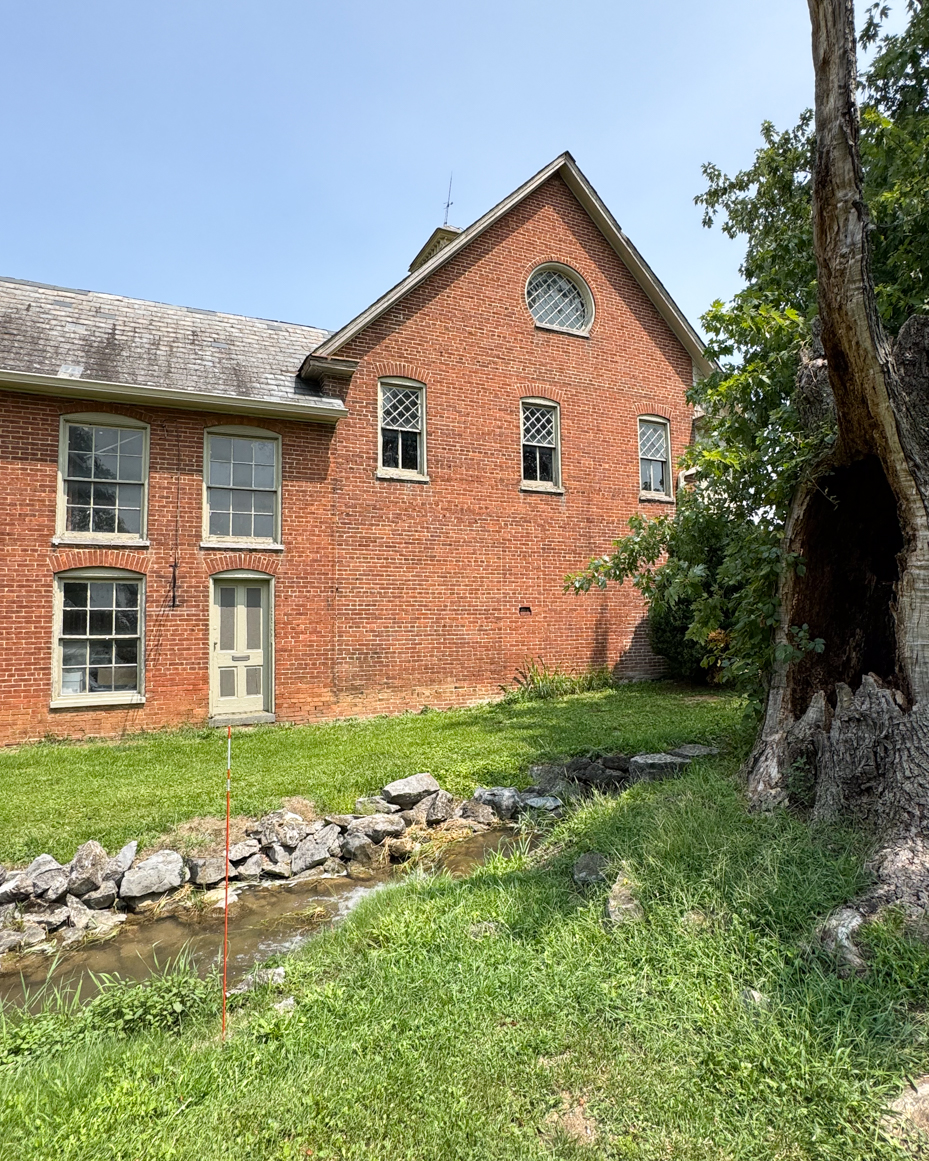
[(287, 159)]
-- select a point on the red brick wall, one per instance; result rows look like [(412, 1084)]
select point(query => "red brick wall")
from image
[(431, 577), (389, 595)]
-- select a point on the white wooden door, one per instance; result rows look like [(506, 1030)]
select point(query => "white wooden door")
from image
[(240, 652)]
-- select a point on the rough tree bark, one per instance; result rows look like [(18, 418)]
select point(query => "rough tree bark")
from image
[(857, 715)]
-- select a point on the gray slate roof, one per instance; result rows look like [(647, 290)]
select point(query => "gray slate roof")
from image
[(51, 330)]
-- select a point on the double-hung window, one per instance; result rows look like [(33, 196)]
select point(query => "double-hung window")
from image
[(654, 457), (540, 444), (242, 486), (99, 637), (402, 451), (104, 468)]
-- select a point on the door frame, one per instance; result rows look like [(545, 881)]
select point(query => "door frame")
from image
[(269, 684)]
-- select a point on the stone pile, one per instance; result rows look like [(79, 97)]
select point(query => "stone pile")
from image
[(556, 785), (91, 894)]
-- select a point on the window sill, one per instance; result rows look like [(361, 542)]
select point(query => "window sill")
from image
[(241, 546), (655, 498), (547, 489), (397, 474), (563, 331), (86, 700), (99, 542)]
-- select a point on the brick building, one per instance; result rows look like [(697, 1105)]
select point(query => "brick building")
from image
[(211, 517)]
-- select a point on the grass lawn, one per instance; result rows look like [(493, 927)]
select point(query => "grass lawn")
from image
[(485, 1018), (58, 795)]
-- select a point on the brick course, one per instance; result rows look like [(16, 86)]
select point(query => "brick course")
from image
[(389, 594)]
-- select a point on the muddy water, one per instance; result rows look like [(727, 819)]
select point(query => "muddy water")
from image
[(266, 921)]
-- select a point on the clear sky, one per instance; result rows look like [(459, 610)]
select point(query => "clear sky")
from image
[(287, 158)]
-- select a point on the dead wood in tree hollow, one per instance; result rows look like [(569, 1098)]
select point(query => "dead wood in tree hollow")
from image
[(856, 717)]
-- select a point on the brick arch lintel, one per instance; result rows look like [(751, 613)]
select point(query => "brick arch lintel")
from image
[(98, 558), (232, 561), (400, 370), (553, 391)]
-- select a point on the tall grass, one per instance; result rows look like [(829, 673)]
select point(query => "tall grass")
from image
[(536, 681)]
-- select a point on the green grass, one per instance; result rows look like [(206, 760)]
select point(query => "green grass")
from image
[(420, 1036), (58, 795)]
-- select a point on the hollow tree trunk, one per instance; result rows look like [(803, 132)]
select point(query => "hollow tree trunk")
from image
[(857, 715)]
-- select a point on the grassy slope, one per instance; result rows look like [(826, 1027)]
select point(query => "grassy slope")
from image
[(56, 796), (417, 1037)]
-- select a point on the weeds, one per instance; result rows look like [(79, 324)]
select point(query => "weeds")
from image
[(536, 681)]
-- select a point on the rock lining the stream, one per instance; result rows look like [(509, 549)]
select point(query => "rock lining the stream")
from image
[(88, 897)]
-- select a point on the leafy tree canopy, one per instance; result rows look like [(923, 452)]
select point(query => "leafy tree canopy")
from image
[(719, 557)]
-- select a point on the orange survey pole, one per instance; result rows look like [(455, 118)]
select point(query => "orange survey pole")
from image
[(226, 901)]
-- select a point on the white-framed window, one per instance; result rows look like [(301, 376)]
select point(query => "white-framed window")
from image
[(654, 456), (401, 429), (559, 299), (103, 474), (541, 444), (99, 652), (242, 486)]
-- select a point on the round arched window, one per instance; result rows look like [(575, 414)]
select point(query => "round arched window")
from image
[(558, 298)]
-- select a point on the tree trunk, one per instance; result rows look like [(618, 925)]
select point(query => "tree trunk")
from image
[(856, 717)]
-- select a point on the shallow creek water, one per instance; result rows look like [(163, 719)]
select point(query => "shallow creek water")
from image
[(266, 921)]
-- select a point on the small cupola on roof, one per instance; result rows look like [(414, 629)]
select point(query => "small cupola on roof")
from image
[(438, 239)]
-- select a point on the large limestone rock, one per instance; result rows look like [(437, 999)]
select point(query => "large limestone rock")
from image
[(209, 871), (477, 812), (156, 875), (375, 805), (431, 810), (594, 773), (103, 897), (310, 853), (406, 792), (16, 889), (588, 869), (504, 801), (49, 878), (87, 868), (377, 827), (79, 913), (656, 767), (621, 905), (251, 868), (694, 750), (358, 848), (239, 852), (120, 863), (10, 941), (280, 827), (51, 918)]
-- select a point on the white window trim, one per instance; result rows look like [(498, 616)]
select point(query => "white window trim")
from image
[(554, 488), (81, 700), (581, 284), (667, 496), (98, 539), (275, 543), (418, 477)]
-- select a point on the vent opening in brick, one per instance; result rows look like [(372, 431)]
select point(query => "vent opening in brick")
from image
[(525, 611)]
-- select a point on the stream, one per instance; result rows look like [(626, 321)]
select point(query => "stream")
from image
[(267, 920)]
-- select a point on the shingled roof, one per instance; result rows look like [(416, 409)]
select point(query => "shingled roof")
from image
[(85, 342)]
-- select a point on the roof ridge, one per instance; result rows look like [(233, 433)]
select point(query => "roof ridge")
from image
[(158, 302)]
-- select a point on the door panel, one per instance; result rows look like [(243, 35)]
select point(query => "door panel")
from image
[(240, 650)]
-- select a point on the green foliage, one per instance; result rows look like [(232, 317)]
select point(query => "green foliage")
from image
[(719, 560), (164, 1003), (537, 681)]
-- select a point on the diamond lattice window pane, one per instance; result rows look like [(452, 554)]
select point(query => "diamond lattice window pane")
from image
[(400, 408), (539, 425), (652, 444), (555, 301)]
